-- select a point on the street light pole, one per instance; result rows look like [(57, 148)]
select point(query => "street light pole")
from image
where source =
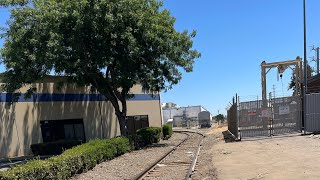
[(305, 65)]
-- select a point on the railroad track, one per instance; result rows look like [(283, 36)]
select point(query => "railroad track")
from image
[(178, 163)]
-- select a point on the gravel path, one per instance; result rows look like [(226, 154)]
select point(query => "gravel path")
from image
[(131, 164), (280, 157)]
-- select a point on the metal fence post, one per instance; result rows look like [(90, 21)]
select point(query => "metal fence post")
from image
[(238, 117)]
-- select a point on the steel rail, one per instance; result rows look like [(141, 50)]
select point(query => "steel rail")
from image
[(194, 162), (195, 158), (150, 168), (145, 172)]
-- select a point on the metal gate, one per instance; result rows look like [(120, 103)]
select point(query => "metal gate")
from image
[(251, 122), (286, 115), (273, 117), (313, 113)]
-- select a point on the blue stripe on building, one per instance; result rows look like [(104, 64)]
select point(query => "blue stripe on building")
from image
[(46, 97)]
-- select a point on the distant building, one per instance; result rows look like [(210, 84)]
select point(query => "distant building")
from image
[(169, 105), (181, 115)]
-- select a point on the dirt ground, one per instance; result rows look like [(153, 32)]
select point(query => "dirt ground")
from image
[(290, 157)]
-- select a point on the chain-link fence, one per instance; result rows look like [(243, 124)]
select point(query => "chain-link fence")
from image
[(265, 118), (287, 115), (251, 121)]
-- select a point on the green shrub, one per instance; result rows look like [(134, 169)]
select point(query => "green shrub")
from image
[(76, 160), (136, 141), (53, 148), (122, 145), (149, 135), (167, 131), (36, 169)]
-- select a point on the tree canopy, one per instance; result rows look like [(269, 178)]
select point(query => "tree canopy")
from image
[(110, 45), (292, 84), (219, 118)]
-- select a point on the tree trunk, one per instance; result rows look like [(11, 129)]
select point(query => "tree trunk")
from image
[(121, 114), (122, 122), (114, 96)]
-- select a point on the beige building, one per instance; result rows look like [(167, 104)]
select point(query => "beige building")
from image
[(69, 112)]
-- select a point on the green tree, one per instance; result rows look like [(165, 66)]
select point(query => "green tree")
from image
[(292, 84), (110, 45), (219, 118)]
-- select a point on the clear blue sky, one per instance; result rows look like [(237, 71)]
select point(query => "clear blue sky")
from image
[(234, 37)]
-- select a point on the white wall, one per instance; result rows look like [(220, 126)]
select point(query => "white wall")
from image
[(191, 112)]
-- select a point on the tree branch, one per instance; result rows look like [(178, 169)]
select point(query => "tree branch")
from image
[(115, 89), (107, 93)]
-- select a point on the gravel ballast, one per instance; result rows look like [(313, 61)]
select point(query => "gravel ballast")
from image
[(204, 169), (176, 165), (131, 164)]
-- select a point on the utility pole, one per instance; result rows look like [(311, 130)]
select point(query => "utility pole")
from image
[(305, 65), (317, 58), (274, 91)]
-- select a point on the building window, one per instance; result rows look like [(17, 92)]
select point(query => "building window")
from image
[(136, 122), (55, 130)]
